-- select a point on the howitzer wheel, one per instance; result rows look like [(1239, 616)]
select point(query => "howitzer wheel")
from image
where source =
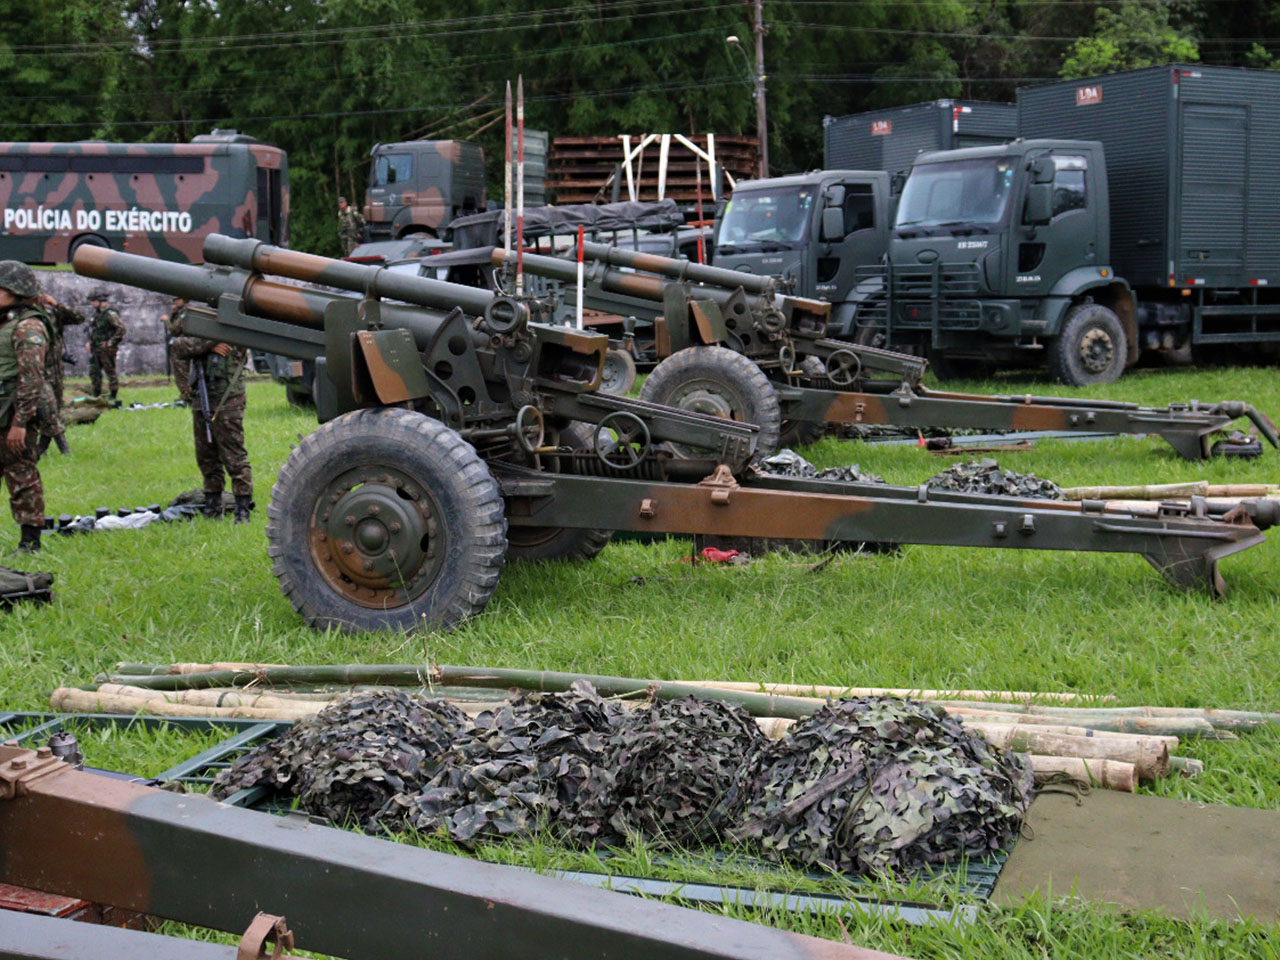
[(559, 543), (720, 382), (619, 374), (386, 519)]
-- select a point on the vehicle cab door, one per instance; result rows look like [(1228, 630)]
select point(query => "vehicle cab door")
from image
[(1059, 225), (852, 231), (391, 185)]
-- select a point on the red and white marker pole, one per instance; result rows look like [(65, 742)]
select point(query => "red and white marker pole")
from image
[(697, 170), (581, 240), (519, 186), (506, 197)]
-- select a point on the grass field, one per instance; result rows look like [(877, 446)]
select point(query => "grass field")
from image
[(937, 617)]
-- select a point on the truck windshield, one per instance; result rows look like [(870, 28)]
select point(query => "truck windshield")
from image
[(766, 218), (956, 192)]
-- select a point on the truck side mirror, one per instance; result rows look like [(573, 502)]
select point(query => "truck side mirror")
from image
[(834, 196), (1039, 208), (1042, 170), (832, 224)]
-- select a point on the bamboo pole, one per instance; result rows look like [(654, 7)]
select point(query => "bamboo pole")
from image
[(814, 690), (1150, 760), (1219, 719), (1173, 727), (1172, 491), (68, 700), (1111, 774)]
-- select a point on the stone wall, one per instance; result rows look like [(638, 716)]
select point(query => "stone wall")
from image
[(142, 352)]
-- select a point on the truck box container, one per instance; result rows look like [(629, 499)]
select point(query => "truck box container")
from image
[(890, 139), (1193, 158)]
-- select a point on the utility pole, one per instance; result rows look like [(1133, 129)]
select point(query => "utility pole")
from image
[(762, 125)]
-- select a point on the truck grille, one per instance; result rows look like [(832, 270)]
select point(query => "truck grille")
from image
[(927, 296)]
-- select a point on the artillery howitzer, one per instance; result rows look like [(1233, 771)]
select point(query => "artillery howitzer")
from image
[(458, 430), (817, 380)]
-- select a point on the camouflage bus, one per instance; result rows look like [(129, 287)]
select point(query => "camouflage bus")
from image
[(154, 199)]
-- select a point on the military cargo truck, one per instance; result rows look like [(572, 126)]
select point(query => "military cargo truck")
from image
[(891, 139), (813, 231), (421, 186), (1156, 229)]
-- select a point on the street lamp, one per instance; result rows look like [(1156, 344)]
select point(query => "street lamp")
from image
[(757, 79)]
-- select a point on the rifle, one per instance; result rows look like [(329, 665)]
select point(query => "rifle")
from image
[(202, 387)]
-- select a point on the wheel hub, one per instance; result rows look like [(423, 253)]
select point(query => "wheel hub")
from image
[(375, 536), (1096, 350), (702, 400)]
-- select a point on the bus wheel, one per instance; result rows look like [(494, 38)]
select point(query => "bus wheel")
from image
[(88, 240), (1090, 348)]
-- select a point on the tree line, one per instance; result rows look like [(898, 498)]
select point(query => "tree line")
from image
[(326, 79)]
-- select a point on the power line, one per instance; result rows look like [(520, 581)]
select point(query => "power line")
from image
[(398, 32)]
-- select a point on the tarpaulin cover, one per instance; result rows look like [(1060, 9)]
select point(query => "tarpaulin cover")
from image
[(485, 229)]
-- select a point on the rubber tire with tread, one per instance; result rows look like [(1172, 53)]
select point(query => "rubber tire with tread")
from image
[(625, 367), (559, 543), (1063, 354), (749, 392), (799, 433), (471, 513)]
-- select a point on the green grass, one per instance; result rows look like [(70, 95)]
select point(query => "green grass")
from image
[(936, 617)]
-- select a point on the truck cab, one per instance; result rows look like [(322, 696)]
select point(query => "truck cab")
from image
[(421, 186), (812, 230), (996, 255)]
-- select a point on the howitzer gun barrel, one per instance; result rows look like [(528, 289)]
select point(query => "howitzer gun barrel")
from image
[(205, 284), (370, 280), (298, 306), (678, 269)]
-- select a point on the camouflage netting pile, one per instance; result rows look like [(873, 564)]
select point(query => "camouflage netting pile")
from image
[(788, 463), (667, 772), (347, 761), (985, 476), (876, 784), (518, 768), (865, 785)]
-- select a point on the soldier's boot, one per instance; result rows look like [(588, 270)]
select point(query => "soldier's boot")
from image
[(114, 400), (243, 507), (212, 505), (30, 541), (64, 448)]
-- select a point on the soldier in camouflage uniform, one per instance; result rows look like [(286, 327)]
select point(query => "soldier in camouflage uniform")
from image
[(105, 333), (58, 318), (180, 366), (350, 227), (220, 438), (24, 338)]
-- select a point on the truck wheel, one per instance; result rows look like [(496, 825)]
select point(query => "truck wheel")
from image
[(1090, 348), (559, 543), (721, 382), (386, 520), (798, 433), (619, 374)]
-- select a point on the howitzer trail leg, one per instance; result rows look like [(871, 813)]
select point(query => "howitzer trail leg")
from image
[(1185, 548), (190, 859)]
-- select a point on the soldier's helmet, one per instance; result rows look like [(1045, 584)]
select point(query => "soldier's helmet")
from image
[(99, 294), (18, 279), (342, 199)]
